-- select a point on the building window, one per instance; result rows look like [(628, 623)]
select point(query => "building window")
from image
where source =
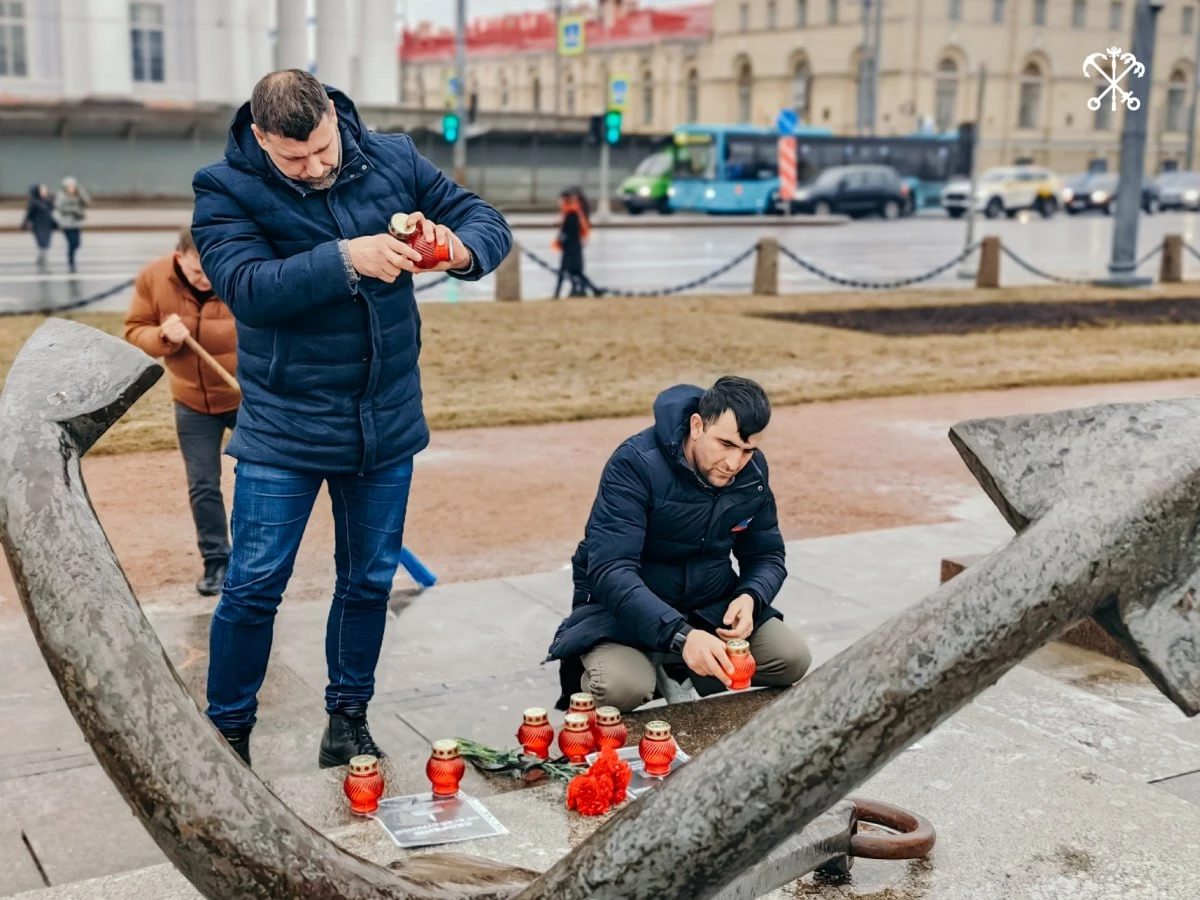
[(998, 11), (1029, 112), (745, 92), (1116, 13), (954, 13), (1176, 101), (146, 41), (1079, 14), (772, 14), (504, 93), (744, 17), (1189, 19), (693, 97), (13, 60), (801, 78), (833, 12), (801, 13), (647, 99), (569, 95), (535, 93), (946, 95), (1039, 12), (1103, 119)]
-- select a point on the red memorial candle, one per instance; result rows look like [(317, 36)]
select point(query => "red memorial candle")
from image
[(445, 768), (657, 749), (743, 663), (414, 235), (363, 785), (576, 739), (610, 730), (536, 733)]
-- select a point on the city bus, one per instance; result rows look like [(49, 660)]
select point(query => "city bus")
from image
[(733, 169)]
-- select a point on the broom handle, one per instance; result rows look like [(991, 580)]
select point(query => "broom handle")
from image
[(208, 358)]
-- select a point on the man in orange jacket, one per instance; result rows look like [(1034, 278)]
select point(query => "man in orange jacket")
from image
[(173, 298)]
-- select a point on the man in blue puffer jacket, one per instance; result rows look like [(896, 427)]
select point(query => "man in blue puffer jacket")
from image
[(654, 582), (292, 231)]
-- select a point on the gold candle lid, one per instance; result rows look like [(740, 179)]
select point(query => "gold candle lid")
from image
[(738, 647), (364, 765), (399, 227), (658, 731), (608, 715), (445, 749), (536, 715), (576, 722), (582, 701)]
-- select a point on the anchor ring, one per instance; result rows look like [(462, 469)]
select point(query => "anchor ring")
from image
[(914, 836)]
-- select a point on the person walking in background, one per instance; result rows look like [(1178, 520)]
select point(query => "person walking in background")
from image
[(70, 205), (574, 228), (39, 218), (173, 298)]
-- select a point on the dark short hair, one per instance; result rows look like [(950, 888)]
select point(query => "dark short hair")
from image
[(185, 244), (290, 103), (746, 398)]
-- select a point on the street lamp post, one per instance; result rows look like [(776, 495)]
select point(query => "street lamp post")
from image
[(1123, 261), (460, 95)]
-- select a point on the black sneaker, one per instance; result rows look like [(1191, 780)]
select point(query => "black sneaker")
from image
[(240, 744), (214, 577), (347, 736)]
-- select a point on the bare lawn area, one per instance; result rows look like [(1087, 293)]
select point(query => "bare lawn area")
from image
[(491, 364)]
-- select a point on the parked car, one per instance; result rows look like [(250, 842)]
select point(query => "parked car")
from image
[(1179, 190), (647, 187), (853, 191), (1005, 190), (1098, 191)]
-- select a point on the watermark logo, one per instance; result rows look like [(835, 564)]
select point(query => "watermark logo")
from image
[(1105, 64)]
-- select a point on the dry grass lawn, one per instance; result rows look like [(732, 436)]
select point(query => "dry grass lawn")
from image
[(498, 364)]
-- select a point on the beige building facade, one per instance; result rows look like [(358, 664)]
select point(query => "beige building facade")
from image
[(760, 56)]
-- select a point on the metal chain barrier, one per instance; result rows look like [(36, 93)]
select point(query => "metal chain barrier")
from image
[(75, 304), (661, 292), (1149, 256), (878, 285), (1192, 250), (1040, 273)]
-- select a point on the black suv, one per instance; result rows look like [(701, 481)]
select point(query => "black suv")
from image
[(853, 191)]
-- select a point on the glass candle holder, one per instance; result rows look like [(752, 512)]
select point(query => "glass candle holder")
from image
[(743, 663), (657, 749), (576, 739), (536, 733), (431, 253), (445, 768), (610, 729), (586, 705), (363, 785)]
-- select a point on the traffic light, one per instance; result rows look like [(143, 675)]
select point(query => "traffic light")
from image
[(596, 130), (612, 126), (450, 127)]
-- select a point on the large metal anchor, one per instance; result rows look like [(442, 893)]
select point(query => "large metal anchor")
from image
[(1107, 506)]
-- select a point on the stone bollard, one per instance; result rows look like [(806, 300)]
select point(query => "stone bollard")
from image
[(508, 276), (766, 267), (1170, 268), (988, 275)]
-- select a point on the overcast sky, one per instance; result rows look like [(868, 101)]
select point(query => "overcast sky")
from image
[(442, 11)]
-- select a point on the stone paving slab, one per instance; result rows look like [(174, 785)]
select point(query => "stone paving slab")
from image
[(18, 871)]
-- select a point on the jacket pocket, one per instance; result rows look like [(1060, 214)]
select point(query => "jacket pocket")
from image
[(280, 357)]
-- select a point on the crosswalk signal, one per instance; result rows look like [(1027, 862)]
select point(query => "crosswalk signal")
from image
[(612, 126), (450, 128)]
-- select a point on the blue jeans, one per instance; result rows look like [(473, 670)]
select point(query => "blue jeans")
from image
[(271, 507)]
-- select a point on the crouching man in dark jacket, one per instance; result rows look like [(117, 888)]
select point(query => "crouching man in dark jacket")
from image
[(653, 578), (292, 228)]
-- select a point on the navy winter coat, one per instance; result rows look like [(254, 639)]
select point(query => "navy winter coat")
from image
[(656, 548), (329, 374)]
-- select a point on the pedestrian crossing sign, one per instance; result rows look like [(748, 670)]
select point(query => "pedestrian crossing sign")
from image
[(570, 36), (618, 92)]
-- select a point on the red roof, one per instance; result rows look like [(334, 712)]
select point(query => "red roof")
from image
[(534, 31)]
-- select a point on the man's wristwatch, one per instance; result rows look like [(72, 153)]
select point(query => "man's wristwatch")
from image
[(680, 638)]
